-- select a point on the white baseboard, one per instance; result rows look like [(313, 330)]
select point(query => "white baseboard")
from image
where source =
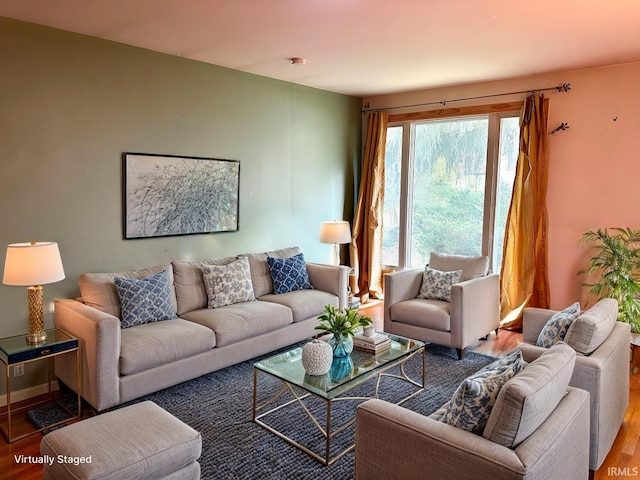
[(27, 393)]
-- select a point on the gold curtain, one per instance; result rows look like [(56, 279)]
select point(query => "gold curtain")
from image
[(524, 275), (366, 242)]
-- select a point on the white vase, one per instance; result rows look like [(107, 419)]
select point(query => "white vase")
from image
[(317, 357)]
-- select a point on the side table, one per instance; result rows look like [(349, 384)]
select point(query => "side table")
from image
[(16, 351)]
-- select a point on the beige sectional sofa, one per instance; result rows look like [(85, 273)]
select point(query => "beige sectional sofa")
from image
[(121, 364)]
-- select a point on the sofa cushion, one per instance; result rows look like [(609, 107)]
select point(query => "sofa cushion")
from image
[(472, 402), (436, 284), (98, 290), (472, 267), (145, 300), (189, 283), (233, 323), (431, 314), (288, 274), (153, 344), (260, 274), (526, 400), (303, 303), (593, 326), (228, 284), (556, 327)]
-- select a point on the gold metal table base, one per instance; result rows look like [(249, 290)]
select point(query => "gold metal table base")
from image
[(326, 431)]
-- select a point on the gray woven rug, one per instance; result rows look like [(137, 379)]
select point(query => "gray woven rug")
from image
[(219, 406)]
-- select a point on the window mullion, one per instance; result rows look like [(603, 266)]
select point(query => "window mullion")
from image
[(406, 197), (491, 184)]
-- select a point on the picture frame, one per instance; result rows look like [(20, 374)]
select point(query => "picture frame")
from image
[(168, 195)]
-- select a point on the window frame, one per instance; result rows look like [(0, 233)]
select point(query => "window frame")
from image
[(408, 121)]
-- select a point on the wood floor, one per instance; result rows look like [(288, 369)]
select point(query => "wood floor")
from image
[(622, 462)]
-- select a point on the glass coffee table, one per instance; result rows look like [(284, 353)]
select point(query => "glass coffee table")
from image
[(345, 375)]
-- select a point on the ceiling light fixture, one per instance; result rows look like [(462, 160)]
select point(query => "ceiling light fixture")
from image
[(298, 62)]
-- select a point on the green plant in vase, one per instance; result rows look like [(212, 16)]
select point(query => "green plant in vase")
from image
[(342, 323), (617, 263)]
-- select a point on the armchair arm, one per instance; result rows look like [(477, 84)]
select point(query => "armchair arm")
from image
[(395, 443), (398, 287), (475, 309), (99, 337), (533, 319)]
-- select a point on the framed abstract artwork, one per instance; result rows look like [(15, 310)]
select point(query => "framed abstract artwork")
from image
[(165, 195)]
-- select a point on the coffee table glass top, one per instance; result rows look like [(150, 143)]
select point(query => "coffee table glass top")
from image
[(345, 372)]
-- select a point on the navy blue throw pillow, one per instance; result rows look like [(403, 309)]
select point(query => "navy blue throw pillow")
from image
[(146, 300), (289, 274)]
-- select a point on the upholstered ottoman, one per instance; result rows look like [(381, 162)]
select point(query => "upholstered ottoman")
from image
[(141, 441)]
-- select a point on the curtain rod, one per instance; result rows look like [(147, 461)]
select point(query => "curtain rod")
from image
[(565, 87)]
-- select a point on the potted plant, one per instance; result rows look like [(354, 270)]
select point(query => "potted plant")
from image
[(617, 263), (342, 323)]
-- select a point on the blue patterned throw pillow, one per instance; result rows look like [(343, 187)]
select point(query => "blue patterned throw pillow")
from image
[(436, 285), (557, 326), (146, 300), (471, 404), (289, 274)]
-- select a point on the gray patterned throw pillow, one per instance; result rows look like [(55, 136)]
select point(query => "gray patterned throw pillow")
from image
[(228, 284), (471, 404), (146, 300), (436, 285), (557, 326)]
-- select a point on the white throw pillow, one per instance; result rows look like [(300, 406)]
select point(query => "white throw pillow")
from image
[(436, 285), (228, 284)]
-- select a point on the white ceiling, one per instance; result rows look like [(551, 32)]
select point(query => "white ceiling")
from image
[(362, 47)]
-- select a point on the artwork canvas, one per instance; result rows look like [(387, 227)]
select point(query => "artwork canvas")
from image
[(168, 195)]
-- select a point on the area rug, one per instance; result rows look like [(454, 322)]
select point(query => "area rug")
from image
[(219, 406)]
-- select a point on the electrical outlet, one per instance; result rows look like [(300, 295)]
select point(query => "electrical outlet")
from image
[(18, 370)]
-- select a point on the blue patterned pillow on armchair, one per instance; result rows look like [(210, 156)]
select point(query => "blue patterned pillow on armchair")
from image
[(557, 326), (436, 285), (289, 274), (471, 404)]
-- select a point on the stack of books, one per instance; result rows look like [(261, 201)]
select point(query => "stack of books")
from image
[(379, 342)]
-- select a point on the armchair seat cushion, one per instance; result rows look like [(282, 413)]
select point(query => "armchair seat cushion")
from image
[(431, 314)]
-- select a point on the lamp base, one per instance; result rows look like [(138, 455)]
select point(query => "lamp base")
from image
[(36, 316), (36, 338)]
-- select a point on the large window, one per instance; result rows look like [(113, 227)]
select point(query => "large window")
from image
[(448, 185)]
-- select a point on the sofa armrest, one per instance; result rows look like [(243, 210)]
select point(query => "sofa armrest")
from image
[(331, 279), (99, 338), (475, 308), (398, 287), (533, 319), (395, 443)]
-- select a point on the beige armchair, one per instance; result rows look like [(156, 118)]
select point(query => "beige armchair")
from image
[(603, 371), (472, 313), (538, 429)]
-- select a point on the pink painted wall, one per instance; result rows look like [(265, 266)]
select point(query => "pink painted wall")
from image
[(594, 166)]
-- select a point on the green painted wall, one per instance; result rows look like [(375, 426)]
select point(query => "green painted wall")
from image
[(71, 104)]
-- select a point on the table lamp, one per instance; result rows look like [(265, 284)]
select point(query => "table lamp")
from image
[(33, 265), (335, 233)]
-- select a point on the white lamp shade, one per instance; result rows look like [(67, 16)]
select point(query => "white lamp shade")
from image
[(35, 263), (335, 232)]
